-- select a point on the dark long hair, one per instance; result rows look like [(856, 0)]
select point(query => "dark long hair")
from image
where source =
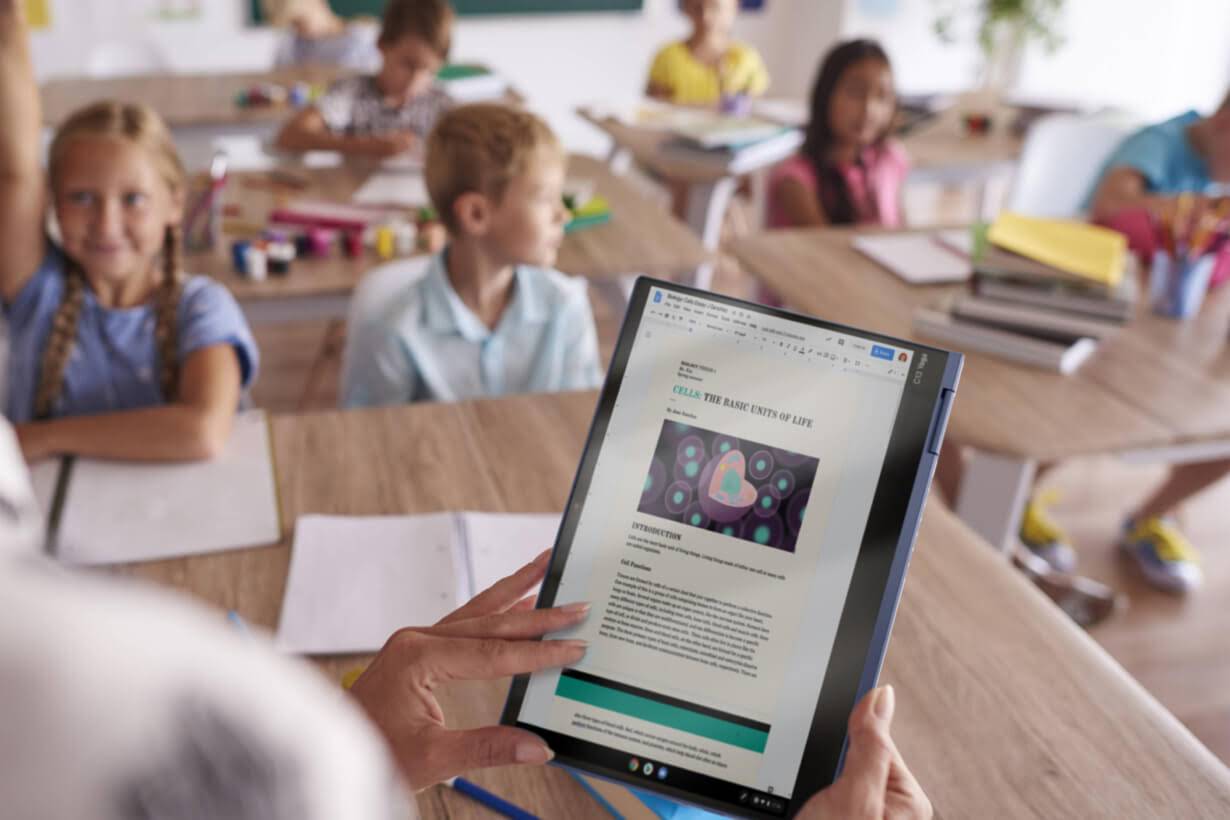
[(833, 192)]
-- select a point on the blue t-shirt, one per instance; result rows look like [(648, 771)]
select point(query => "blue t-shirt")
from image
[(113, 364), (1164, 156)]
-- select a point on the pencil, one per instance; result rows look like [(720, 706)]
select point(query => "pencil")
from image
[(238, 622), (491, 801)]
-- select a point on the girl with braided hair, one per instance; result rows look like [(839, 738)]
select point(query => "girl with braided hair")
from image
[(115, 352)]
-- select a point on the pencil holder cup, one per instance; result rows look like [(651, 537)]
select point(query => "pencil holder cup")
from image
[(1177, 285)]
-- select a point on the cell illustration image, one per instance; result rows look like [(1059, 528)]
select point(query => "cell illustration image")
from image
[(728, 485)]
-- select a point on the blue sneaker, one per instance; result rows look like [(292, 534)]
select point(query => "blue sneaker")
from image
[(1165, 557)]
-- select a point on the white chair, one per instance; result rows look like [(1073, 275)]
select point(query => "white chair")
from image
[(124, 59), (368, 304), (1061, 160)]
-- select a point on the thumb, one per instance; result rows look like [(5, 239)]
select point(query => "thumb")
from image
[(869, 757), (456, 752)]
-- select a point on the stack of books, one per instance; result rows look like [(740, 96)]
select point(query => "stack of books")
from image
[(744, 143), (722, 142), (1044, 293)]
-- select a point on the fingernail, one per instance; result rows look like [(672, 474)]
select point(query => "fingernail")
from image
[(533, 753), (581, 645), (885, 701), (577, 608), (542, 556)]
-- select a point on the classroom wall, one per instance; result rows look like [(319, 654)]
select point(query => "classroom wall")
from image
[(1152, 59), (921, 63), (219, 40), (559, 61)]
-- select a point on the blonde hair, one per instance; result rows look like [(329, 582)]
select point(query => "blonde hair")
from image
[(139, 125), (481, 148), (429, 20)]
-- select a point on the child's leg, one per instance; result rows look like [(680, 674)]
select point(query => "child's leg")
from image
[(1165, 557), (1183, 482), (679, 199), (1041, 533)]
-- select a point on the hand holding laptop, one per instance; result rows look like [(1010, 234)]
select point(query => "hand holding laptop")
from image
[(875, 782), (492, 636), (495, 635)]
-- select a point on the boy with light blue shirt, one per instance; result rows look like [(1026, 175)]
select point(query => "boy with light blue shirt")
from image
[(489, 317)]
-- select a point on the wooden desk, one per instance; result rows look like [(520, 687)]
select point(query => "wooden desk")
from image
[(640, 238), (711, 177), (942, 144), (198, 108), (183, 100), (1005, 708), (1158, 387)]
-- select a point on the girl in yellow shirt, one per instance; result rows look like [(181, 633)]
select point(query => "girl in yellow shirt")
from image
[(708, 66)]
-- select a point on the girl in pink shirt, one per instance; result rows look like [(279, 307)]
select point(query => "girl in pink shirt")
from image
[(848, 171)]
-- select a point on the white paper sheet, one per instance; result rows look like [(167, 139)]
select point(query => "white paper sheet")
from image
[(407, 161), (502, 544), (960, 240), (121, 512), (408, 190), (915, 257), (354, 581)]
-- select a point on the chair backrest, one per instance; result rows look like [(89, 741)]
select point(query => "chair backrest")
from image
[(372, 296), (1061, 160), (121, 59)]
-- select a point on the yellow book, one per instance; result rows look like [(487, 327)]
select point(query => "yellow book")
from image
[(1084, 250), (38, 14)]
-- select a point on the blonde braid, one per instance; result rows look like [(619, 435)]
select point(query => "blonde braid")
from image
[(166, 327), (60, 342)]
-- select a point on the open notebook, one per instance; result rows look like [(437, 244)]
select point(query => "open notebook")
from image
[(920, 258), (115, 512), (353, 581)]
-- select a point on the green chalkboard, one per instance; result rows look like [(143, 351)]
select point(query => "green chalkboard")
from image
[(373, 8)]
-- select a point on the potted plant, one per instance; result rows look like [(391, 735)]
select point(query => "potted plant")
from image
[(1002, 28)]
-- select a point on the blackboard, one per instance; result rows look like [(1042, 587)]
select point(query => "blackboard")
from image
[(373, 8)]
